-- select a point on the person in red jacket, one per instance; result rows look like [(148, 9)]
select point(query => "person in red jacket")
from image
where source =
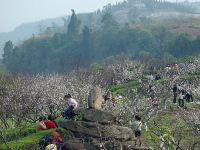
[(49, 123), (56, 136)]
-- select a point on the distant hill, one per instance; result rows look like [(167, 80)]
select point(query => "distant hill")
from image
[(26, 30), (129, 11)]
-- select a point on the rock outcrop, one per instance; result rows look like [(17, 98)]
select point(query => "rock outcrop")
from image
[(95, 98), (97, 130), (99, 116), (92, 129)]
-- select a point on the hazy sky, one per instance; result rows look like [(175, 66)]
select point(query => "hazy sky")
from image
[(16, 12)]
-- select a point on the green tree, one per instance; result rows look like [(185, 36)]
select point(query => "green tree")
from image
[(86, 47), (73, 26), (168, 59), (181, 45), (108, 40), (8, 48), (144, 56), (108, 22), (162, 38), (196, 45)]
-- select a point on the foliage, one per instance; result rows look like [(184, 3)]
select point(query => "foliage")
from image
[(26, 142), (80, 47), (13, 134), (24, 98), (79, 117)]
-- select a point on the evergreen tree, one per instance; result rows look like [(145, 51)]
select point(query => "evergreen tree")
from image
[(108, 22), (73, 26), (86, 46), (8, 48)]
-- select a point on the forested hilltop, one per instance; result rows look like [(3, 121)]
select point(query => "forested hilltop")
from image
[(81, 42), (122, 11)]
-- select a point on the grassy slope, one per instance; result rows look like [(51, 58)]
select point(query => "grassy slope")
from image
[(24, 138), (122, 88), (165, 118), (26, 142), (16, 133)]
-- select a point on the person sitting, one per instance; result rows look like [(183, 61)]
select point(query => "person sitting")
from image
[(41, 125), (50, 145), (56, 137), (49, 123), (137, 127), (72, 104), (54, 117)]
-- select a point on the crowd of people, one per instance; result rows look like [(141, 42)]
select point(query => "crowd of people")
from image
[(182, 95), (54, 141)]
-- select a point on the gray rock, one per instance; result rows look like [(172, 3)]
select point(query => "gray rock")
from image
[(92, 129), (74, 144), (131, 147), (95, 98), (94, 115)]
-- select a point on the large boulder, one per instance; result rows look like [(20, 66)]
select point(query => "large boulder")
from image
[(76, 145), (92, 129), (94, 115), (73, 144), (95, 98), (132, 147)]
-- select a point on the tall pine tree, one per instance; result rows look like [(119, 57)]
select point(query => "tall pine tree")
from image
[(73, 26)]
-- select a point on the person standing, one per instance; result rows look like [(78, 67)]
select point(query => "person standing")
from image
[(137, 127), (188, 97), (72, 104), (181, 99), (152, 91), (175, 90)]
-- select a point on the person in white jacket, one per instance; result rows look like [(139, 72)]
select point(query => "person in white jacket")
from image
[(72, 104)]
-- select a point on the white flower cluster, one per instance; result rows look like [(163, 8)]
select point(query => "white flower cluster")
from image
[(30, 96)]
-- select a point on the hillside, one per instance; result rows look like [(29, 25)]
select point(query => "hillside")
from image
[(158, 33), (26, 30), (131, 11), (129, 82)]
